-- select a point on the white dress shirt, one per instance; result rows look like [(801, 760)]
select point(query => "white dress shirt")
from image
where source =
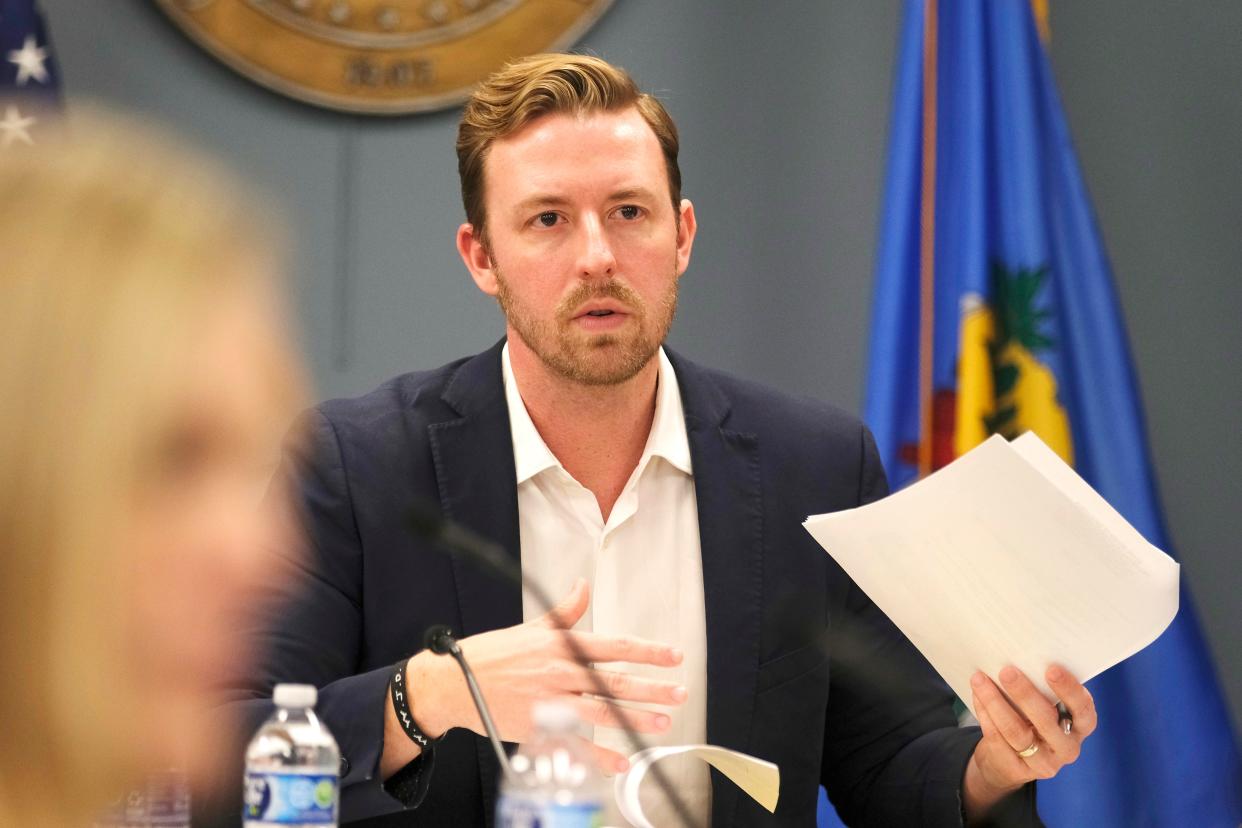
[(644, 565)]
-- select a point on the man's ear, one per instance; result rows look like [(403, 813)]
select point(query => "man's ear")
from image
[(686, 228), (472, 247)]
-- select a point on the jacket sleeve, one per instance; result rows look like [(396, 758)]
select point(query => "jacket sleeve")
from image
[(893, 753), (310, 630)]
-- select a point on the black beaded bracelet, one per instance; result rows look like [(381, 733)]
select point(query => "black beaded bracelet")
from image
[(401, 704)]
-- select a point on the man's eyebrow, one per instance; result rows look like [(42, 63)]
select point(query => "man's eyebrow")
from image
[(631, 193), (541, 200), (551, 200)]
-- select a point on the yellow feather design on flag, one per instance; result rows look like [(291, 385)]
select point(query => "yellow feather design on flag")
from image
[(1029, 404)]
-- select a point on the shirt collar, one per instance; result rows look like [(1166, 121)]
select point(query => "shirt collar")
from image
[(667, 438), (668, 429), (531, 454)]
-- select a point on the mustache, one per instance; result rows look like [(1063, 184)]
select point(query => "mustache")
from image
[(612, 289)]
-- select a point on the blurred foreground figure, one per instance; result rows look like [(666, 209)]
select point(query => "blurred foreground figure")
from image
[(145, 382)]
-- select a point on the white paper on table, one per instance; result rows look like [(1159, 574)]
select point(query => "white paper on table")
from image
[(1006, 556), (757, 777)]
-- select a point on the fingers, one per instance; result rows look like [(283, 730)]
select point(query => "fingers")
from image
[(1040, 712), (626, 687), (571, 608), (609, 761), (1075, 697), (1015, 730), (601, 713), (601, 649), (985, 721), (1006, 760), (1017, 735)]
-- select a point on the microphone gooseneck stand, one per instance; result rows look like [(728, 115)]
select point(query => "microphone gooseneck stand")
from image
[(426, 522), (441, 641)]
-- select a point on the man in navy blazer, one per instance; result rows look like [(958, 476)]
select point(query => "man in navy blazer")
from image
[(572, 168)]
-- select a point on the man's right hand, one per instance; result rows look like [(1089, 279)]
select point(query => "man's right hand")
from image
[(517, 667)]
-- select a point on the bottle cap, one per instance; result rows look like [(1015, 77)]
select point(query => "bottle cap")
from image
[(554, 715), (295, 695)]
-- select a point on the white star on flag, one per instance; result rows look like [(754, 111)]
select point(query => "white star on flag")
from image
[(15, 127), (29, 60)]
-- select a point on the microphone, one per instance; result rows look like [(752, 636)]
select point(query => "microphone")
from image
[(440, 640), (427, 522)]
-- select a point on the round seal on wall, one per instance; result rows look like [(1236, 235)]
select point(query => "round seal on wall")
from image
[(381, 57)]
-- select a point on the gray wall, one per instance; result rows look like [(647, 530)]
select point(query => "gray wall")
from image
[(783, 111), (1151, 93)]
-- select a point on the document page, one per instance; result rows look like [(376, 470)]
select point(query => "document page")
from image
[(1006, 556), (760, 779)]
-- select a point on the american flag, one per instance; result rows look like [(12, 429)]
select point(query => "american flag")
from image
[(29, 79)]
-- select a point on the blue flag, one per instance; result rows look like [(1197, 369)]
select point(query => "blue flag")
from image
[(995, 312), (29, 80)]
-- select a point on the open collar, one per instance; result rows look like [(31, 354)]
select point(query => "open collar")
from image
[(667, 438)]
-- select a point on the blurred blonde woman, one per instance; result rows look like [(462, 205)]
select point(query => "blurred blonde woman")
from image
[(145, 380)]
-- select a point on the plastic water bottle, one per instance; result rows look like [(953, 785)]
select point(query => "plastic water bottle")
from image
[(556, 784), (162, 802), (168, 799), (292, 766)]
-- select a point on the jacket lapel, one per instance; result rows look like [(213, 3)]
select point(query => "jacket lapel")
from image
[(475, 472), (727, 488)]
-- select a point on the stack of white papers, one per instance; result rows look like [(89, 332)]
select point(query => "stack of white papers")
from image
[(1006, 556)]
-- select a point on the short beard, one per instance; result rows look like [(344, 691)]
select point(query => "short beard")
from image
[(602, 359)]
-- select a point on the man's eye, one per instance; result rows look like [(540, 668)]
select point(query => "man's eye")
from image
[(547, 219), (629, 212)]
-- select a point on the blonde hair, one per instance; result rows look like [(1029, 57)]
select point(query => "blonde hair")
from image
[(544, 84), (115, 243)]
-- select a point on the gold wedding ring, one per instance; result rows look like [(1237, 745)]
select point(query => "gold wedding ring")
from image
[(1031, 751)]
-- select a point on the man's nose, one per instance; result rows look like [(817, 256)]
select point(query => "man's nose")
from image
[(596, 258)]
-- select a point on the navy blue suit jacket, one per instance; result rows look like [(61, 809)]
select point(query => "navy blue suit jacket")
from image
[(802, 669)]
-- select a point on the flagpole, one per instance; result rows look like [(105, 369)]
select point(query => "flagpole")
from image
[(927, 240), (1040, 9)]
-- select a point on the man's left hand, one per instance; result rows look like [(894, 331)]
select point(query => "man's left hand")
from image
[(1023, 739)]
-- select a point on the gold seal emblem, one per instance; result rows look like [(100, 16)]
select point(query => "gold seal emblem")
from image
[(382, 57)]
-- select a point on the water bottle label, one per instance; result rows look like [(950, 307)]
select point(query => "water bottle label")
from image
[(517, 812), (290, 798), (521, 812), (574, 815)]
